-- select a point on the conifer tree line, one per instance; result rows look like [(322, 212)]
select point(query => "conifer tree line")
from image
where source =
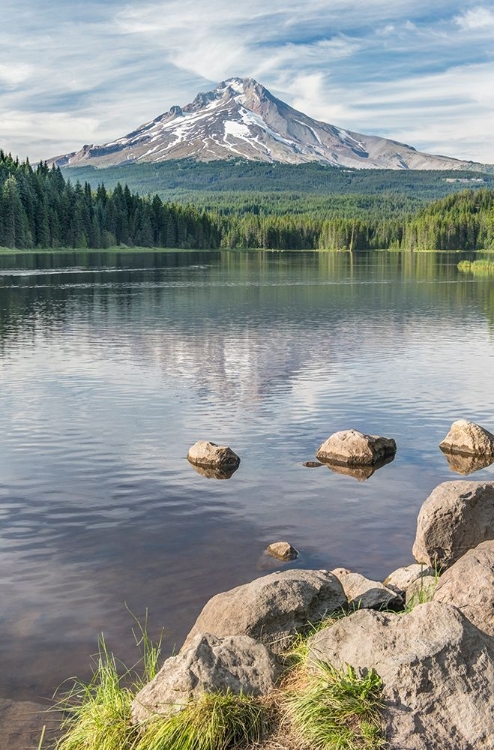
[(40, 209)]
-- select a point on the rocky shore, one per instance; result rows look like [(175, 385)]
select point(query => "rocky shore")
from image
[(426, 632)]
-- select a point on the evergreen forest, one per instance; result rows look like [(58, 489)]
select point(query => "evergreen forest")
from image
[(40, 208)]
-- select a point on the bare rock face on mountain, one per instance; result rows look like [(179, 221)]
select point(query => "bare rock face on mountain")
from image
[(242, 119), (469, 585), (437, 670), (236, 664), (468, 439), (271, 609), (457, 516), (354, 448)]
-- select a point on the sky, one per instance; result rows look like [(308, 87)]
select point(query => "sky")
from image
[(76, 72)]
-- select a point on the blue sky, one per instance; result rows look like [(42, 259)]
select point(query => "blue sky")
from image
[(74, 72)]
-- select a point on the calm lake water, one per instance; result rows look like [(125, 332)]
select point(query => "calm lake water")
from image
[(112, 365)]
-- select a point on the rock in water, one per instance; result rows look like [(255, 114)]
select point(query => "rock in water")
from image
[(352, 447), (437, 669), (469, 585), (271, 609), (469, 439), (364, 593), (204, 453), (210, 664), (282, 551), (457, 516)]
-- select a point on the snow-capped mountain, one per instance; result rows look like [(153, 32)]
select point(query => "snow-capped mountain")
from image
[(241, 118)]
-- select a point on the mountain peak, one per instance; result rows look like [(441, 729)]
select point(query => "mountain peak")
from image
[(241, 118)]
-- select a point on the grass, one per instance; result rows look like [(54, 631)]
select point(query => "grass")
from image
[(336, 709), (215, 721), (477, 267), (315, 708)]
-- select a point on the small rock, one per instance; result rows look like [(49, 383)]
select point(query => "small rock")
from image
[(437, 671), (363, 593), (204, 453), (457, 516), (469, 585), (210, 664), (421, 591), (401, 579), (354, 448), (271, 609), (282, 551), (469, 439), (312, 464)]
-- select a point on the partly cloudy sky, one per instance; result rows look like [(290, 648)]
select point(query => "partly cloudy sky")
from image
[(75, 72)]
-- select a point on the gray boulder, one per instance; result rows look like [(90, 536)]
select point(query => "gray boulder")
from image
[(204, 453), (271, 609), (400, 579), (457, 516), (437, 669), (236, 663), (468, 438), (469, 585), (364, 593), (352, 447)]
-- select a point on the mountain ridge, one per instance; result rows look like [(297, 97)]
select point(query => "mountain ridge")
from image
[(240, 118)]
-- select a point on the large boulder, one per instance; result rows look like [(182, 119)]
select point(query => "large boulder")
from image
[(468, 438), (352, 447), (469, 585), (437, 669), (204, 453), (457, 516), (400, 579), (236, 663), (361, 592), (271, 609)]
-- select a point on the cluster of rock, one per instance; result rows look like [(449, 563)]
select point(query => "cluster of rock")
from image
[(436, 660), (467, 446)]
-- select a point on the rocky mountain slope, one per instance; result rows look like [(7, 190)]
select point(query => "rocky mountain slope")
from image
[(241, 118)]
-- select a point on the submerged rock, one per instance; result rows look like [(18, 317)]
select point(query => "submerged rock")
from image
[(352, 447), (282, 551), (210, 664), (312, 464), (469, 585), (457, 516), (214, 472), (437, 671), (364, 593), (204, 453), (469, 439), (360, 473), (271, 609), (462, 464), (22, 722)]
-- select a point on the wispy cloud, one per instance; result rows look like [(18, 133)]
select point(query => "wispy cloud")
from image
[(411, 71)]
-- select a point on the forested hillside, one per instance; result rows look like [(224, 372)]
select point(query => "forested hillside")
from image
[(40, 209)]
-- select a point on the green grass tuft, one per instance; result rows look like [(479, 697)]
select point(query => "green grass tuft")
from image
[(215, 721), (336, 709)]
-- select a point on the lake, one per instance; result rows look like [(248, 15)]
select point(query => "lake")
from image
[(113, 365)]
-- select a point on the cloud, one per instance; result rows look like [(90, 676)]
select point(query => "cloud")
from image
[(475, 19)]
